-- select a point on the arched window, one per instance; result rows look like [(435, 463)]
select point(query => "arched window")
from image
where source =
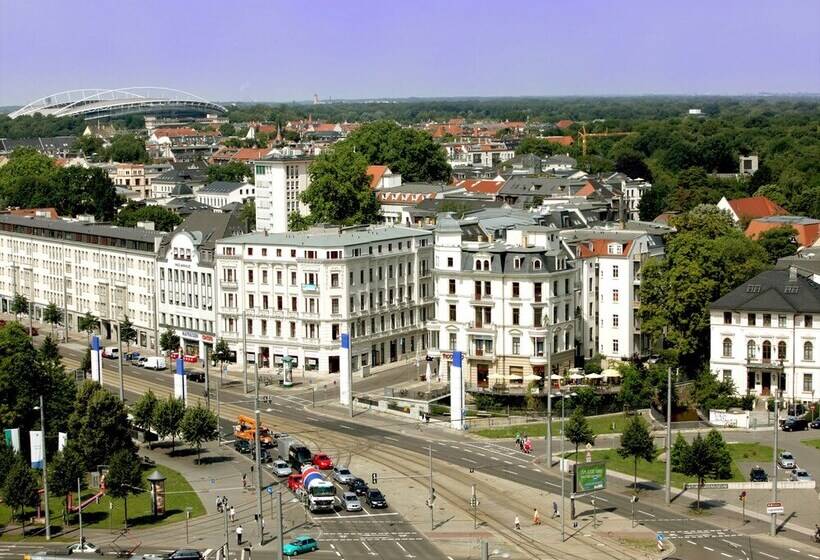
[(536, 265), (727, 347), (808, 352), (767, 350), (781, 350), (751, 350)]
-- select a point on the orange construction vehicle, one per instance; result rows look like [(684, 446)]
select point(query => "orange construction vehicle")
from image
[(246, 429)]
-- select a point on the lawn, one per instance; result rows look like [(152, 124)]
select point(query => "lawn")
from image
[(179, 495), (656, 470), (811, 443), (599, 424)]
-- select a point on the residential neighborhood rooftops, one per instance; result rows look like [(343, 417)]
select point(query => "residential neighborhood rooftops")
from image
[(221, 187), (330, 236), (773, 290), (808, 229), (751, 207)]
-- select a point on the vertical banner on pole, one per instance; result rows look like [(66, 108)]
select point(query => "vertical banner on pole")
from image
[(96, 360), (36, 446), (181, 382), (62, 439), (345, 381), (456, 393), (12, 436)]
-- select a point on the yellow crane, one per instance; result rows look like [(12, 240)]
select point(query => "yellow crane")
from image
[(583, 135)]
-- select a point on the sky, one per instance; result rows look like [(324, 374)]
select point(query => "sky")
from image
[(272, 50)]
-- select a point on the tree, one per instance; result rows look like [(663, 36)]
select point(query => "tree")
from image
[(7, 457), (104, 428), (586, 400), (64, 469), (222, 352), (577, 430), (22, 379), (143, 412), (19, 305), (89, 145), (168, 416), (632, 164), (88, 323), (635, 392), (53, 315), (124, 477), (128, 333), (593, 365), (723, 458), (678, 453), (227, 129), (127, 148), (20, 489), (169, 340), (653, 202), (339, 192), (198, 426), (538, 146), (49, 351), (703, 460), (76, 190), (248, 215), (778, 242), (234, 171), (164, 219), (636, 442)]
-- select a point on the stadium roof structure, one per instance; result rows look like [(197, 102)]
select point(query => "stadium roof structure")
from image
[(105, 103)]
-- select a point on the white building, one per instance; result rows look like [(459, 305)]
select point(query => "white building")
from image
[(186, 286), (765, 334), (507, 302), (294, 294), (220, 193), (82, 267), (280, 178), (609, 262), (482, 155)]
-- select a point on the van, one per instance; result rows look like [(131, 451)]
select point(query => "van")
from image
[(155, 362), (111, 352)]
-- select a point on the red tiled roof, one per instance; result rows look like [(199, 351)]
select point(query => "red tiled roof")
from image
[(483, 186), (807, 234), (600, 247), (756, 207), (175, 132), (564, 123), (376, 172), (586, 190), (266, 128), (563, 140), (32, 212)]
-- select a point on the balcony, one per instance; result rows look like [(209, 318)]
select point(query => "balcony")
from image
[(481, 354), (310, 288), (228, 285), (766, 363), (480, 326), (538, 359)]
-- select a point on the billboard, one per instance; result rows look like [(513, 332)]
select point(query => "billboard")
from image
[(36, 445), (589, 477)]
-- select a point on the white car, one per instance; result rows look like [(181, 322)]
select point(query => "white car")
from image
[(351, 502), (280, 468), (342, 475), (786, 460), (800, 475), (84, 547)]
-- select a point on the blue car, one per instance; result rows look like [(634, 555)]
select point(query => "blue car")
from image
[(300, 545)]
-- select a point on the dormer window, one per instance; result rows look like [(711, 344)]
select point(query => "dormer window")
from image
[(615, 249), (536, 265)]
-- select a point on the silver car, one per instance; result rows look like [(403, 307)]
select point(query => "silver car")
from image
[(342, 475), (800, 475), (280, 468), (786, 460), (351, 502)]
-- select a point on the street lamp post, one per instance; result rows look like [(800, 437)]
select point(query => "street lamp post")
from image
[(668, 492), (119, 360), (548, 378), (773, 526), (45, 468)]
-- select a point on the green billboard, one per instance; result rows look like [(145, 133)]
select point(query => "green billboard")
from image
[(590, 476)]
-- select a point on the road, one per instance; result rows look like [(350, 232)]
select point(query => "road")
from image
[(709, 537)]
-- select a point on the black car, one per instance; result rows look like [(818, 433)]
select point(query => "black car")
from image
[(194, 375), (758, 475), (358, 486), (186, 554), (242, 446), (375, 499), (815, 424), (795, 424)]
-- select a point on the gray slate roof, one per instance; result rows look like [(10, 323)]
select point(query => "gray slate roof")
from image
[(221, 187), (332, 236), (18, 224), (773, 290), (206, 228)]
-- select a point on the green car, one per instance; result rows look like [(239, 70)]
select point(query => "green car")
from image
[(300, 545)]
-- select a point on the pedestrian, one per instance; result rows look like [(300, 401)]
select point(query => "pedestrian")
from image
[(232, 514), (536, 519), (239, 535), (219, 504), (517, 523), (555, 510), (518, 438), (244, 480)]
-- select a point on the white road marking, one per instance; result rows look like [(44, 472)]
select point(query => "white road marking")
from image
[(207, 552), (454, 447), (645, 513), (813, 556), (369, 550), (507, 463), (692, 542), (769, 555), (407, 554), (346, 427), (390, 438), (469, 460), (709, 549), (731, 543), (509, 472), (602, 499), (552, 484), (794, 550), (726, 555)]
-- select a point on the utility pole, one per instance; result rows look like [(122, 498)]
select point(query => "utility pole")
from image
[(119, 360), (548, 378), (218, 417), (668, 493), (281, 528), (207, 379), (561, 467), (258, 448), (80, 508), (773, 527), (432, 492), (474, 504), (244, 352), (45, 468), (227, 536), (65, 308)]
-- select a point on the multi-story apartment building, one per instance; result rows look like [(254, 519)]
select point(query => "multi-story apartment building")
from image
[(136, 176), (186, 281), (294, 294), (765, 335), (220, 193), (609, 262), (506, 299), (82, 267), (280, 178)]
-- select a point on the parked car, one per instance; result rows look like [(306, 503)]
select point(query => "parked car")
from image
[(300, 545), (111, 352), (131, 356), (342, 475), (786, 460), (815, 424), (350, 501), (281, 468), (195, 375), (242, 446), (186, 554), (795, 424), (264, 455), (375, 499), (84, 547), (141, 361), (800, 475), (758, 474), (155, 362), (322, 461), (358, 486)]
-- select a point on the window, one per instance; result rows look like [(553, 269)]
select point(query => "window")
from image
[(536, 265), (334, 306), (278, 277), (516, 290), (807, 321), (250, 277), (615, 321), (250, 251), (807, 383), (727, 317), (452, 312), (293, 329), (293, 303), (516, 316), (767, 351), (781, 321), (615, 271), (615, 249), (452, 341), (517, 263), (516, 345), (451, 286), (615, 346), (450, 262), (278, 326), (727, 375), (615, 298), (752, 318), (781, 350), (279, 304), (264, 276), (334, 280), (250, 326), (808, 352), (767, 320), (727, 347), (250, 300), (751, 350)]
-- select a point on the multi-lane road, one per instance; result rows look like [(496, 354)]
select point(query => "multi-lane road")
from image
[(719, 535)]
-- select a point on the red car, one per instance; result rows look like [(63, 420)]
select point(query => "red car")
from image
[(322, 461), (294, 482)]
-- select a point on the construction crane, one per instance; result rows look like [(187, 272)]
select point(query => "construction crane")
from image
[(583, 135)]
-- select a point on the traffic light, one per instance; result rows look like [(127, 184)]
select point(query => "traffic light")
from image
[(374, 478)]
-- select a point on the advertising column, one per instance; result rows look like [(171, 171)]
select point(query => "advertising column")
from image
[(345, 380), (96, 360), (181, 382), (456, 393)]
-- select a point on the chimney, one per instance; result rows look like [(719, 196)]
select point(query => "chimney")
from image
[(792, 274)]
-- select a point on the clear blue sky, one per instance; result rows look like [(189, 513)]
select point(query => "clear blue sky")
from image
[(273, 50)]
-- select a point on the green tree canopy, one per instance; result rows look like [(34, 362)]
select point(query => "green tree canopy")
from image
[(53, 315), (127, 148), (22, 379), (88, 323), (198, 426), (64, 469), (104, 428), (679, 451), (232, 171), (168, 416), (89, 145), (143, 411), (128, 333), (20, 305), (20, 488), (636, 442), (578, 431), (222, 352), (538, 146), (169, 340), (705, 459), (124, 476), (164, 219), (778, 242)]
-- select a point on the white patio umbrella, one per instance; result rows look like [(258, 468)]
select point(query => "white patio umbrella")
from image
[(607, 373), (576, 376), (556, 377), (594, 376), (532, 377)]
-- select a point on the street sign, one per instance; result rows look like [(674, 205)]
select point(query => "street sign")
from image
[(270, 490), (660, 536), (774, 507), (589, 477)]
